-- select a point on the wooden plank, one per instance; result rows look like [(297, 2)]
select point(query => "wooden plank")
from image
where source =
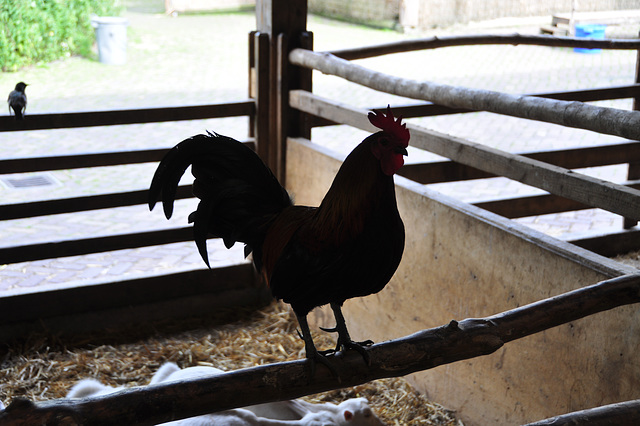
[(253, 79), (580, 115), (77, 161), (611, 245), (100, 244), (289, 122), (261, 129), (84, 160), (633, 172), (81, 204), (100, 295), (129, 116), (574, 158), (437, 42), (556, 180), (534, 205), (68, 309)]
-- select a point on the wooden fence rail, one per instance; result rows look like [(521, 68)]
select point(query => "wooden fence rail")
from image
[(128, 116), (610, 121), (482, 39), (429, 109)]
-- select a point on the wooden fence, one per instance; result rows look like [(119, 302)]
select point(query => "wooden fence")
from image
[(100, 302)]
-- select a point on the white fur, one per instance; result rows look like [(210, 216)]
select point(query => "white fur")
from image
[(353, 412), (90, 387)]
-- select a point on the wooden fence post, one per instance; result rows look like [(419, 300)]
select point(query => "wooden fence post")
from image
[(282, 25), (634, 168)]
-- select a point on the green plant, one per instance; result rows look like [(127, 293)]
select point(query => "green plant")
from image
[(36, 31)]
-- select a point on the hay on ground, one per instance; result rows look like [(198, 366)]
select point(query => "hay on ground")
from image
[(43, 367)]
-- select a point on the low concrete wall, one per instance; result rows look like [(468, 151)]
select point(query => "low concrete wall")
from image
[(439, 13), (424, 14), (462, 262)]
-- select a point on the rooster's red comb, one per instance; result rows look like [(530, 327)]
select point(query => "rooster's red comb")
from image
[(390, 125)]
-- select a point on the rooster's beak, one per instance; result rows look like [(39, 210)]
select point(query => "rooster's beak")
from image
[(402, 151)]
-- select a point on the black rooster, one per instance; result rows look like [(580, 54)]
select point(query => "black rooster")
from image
[(349, 246)]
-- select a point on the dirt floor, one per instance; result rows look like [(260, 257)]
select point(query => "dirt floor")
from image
[(45, 367)]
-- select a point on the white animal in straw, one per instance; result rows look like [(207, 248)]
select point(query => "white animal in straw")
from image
[(353, 412)]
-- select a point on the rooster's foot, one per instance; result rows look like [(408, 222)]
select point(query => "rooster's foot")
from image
[(312, 353), (319, 357), (360, 347)]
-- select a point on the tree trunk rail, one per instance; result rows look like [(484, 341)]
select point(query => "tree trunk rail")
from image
[(611, 121)]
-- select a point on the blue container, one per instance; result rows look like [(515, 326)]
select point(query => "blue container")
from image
[(594, 31)]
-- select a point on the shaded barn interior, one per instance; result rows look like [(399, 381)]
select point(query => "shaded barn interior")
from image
[(461, 260)]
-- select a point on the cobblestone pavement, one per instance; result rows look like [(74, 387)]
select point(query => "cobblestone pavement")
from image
[(194, 59)]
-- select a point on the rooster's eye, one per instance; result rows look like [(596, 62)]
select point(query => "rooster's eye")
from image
[(384, 141)]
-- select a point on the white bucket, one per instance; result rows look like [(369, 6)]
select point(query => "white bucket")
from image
[(111, 36)]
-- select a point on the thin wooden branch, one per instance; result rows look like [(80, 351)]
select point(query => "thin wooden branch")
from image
[(622, 413), (482, 39), (420, 351), (610, 121), (593, 192)]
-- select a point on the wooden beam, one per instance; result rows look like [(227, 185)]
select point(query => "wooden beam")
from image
[(100, 244), (633, 172), (81, 204), (515, 39), (262, 95), (572, 158), (284, 21), (85, 160), (535, 205), (611, 121), (613, 244), (130, 303), (556, 180), (129, 116), (100, 295), (621, 413)]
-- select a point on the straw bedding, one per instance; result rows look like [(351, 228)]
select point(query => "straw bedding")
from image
[(45, 367), (631, 258)]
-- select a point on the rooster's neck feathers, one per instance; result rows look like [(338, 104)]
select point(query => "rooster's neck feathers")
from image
[(358, 189)]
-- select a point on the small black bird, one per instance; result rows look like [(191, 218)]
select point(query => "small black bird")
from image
[(18, 101)]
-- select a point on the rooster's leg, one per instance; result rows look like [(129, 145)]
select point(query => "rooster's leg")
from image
[(310, 348), (344, 339)]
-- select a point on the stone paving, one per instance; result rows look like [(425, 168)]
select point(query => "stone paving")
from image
[(194, 59)]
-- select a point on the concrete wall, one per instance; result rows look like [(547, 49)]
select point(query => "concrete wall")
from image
[(463, 262), (439, 13), (373, 12)]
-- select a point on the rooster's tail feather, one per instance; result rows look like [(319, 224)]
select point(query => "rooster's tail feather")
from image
[(238, 193)]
